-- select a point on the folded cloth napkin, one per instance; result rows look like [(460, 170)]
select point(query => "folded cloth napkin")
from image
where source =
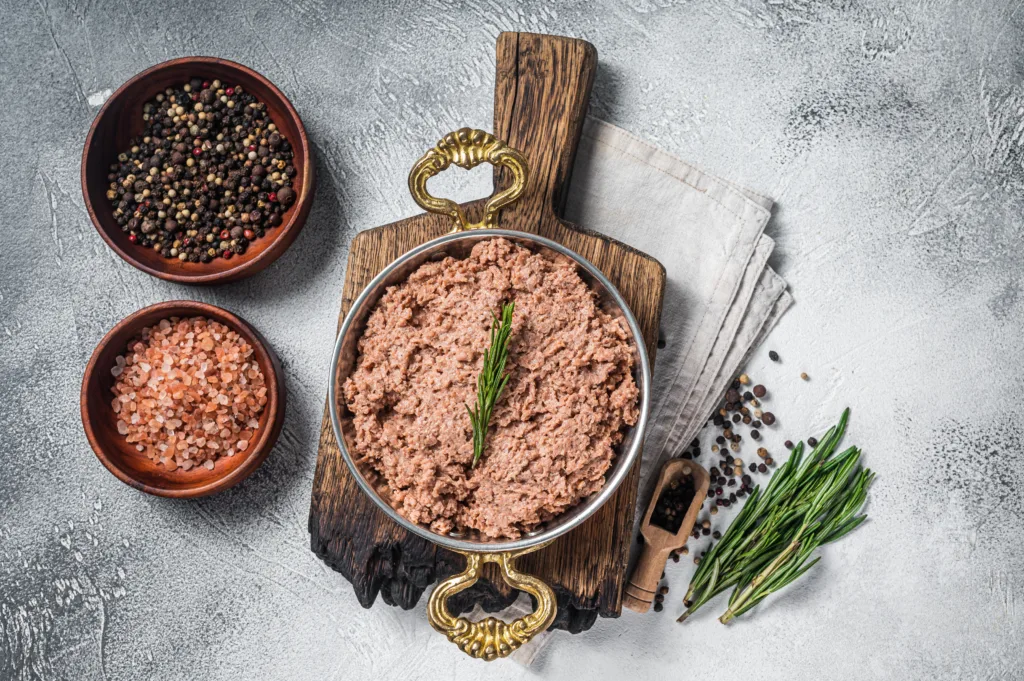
[(721, 297)]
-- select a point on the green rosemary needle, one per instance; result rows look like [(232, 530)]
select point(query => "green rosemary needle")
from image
[(806, 504), (492, 379)]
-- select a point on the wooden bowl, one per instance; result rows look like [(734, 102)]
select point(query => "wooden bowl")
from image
[(120, 119), (135, 468)]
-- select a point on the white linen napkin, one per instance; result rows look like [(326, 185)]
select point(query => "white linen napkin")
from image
[(721, 298), (708, 234)]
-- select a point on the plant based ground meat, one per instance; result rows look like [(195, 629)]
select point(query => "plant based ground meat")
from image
[(555, 428)]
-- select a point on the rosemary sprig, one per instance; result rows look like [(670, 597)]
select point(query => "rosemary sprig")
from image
[(492, 379), (806, 504)]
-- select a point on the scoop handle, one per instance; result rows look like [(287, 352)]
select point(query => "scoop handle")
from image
[(643, 583)]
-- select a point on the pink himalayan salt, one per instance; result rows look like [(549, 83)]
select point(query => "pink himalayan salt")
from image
[(182, 406)]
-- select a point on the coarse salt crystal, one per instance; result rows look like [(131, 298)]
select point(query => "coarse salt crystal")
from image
[(181, 380)]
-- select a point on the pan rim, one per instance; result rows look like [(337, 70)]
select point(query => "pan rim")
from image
[(591, 504)]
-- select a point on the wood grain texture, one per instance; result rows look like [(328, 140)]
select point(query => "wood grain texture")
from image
[(541, 93)]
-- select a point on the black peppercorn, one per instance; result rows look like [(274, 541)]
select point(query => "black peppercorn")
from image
[(285, 195)]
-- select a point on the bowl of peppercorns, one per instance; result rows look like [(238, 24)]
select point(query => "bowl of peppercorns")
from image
[(198, 170)]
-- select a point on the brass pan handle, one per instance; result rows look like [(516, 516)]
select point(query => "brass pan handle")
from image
[(491, 638), (467, 149)]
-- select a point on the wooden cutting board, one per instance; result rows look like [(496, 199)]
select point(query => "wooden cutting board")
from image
[(540, 100)]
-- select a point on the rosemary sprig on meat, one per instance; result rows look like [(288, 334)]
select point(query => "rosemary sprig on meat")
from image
[(807, 503), (492, 379)]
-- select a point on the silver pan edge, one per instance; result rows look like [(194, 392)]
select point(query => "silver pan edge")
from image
[(458, 245)]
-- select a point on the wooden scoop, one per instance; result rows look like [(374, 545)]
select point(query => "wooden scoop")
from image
[(658, 542)]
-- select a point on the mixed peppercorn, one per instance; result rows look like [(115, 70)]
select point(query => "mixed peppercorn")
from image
[(673, 503), (730, 481), (210, 173)]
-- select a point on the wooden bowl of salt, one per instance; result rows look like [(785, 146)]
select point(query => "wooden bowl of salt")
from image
[(135, 468)]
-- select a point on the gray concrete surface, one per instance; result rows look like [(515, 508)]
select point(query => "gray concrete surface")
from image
[(889, 133)]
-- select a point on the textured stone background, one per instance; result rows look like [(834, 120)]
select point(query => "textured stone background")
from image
[(890, 135)]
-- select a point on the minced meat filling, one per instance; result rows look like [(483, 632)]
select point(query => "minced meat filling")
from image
[(554, 430)]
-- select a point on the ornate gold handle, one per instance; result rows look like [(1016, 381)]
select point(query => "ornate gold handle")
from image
[(467, 149), (491, 638)]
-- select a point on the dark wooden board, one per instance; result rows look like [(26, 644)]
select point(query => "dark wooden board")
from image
[(541, 93)]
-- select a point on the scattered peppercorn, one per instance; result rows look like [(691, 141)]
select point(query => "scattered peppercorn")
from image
[(209, 174), (658, 607), (768, 418), (760, 390), (789, 444), (773, 356), (812, 441), (804, 376)]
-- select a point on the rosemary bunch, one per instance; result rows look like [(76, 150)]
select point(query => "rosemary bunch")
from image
[(807, 503), (492, 378)]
